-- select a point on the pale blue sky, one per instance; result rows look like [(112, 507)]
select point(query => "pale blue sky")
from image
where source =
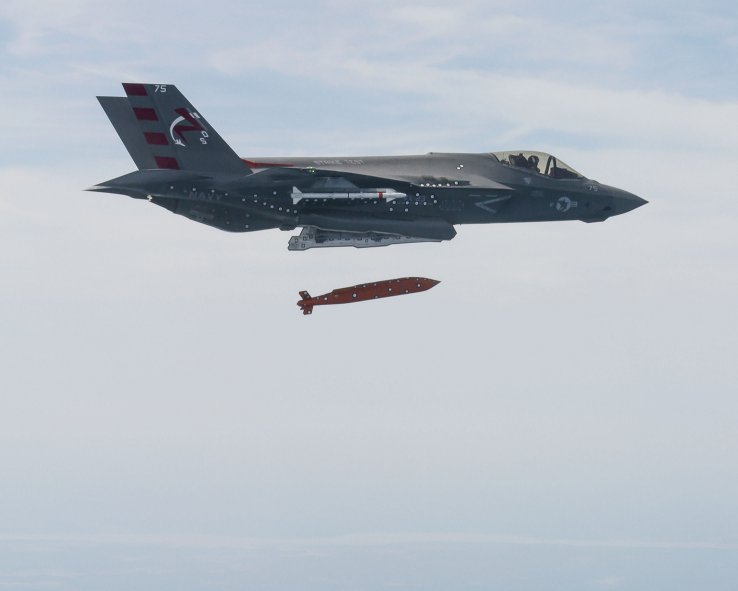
[(559, 413)]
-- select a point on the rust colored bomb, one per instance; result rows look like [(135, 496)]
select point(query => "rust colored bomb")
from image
[(366, 291)]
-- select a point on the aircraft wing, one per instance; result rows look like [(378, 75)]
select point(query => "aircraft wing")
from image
[(339, 179), (339, 227)]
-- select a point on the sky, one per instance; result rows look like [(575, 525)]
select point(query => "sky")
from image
[(558, 413)]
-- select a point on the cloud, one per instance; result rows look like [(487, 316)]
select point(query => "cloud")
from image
[(471, 97), (484, 68)]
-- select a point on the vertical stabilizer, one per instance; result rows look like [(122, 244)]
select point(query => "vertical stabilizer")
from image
[(161, 129)]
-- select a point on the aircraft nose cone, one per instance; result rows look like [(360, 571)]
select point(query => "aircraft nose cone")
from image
[(625, 202)]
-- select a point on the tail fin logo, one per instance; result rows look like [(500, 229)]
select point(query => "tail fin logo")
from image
[(186, 122)]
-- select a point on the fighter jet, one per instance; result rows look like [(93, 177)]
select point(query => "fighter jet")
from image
[(187, 168)]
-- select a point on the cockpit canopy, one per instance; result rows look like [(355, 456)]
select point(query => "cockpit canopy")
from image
[(538, 162)]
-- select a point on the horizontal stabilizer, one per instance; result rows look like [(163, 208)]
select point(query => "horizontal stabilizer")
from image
[(148, 182)]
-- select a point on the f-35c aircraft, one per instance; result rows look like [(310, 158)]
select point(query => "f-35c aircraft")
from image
[(186, 167)]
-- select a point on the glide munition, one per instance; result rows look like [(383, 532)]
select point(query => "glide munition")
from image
[(187, 168), (366, 291)]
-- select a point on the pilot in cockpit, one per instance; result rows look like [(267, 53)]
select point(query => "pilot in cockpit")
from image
[(531, 162)]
